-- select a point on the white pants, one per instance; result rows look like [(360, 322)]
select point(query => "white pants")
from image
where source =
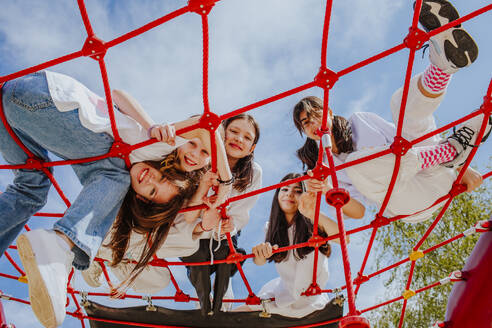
[(415, 189)]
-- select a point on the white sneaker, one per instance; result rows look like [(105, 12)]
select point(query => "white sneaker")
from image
[(93, 274), (452, 49), (464, 139), (47, 267)]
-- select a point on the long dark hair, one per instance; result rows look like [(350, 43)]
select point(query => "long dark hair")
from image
[(277, 230), (148, 218), (243, 170), (341, 130)]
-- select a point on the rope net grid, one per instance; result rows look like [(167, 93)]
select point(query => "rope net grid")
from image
[(325, 79)]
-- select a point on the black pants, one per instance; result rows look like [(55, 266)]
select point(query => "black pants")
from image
[(200, 275)]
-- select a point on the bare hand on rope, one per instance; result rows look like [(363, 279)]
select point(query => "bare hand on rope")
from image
[(210, 219), (219, 198), (164, 133), (471, 178), (307, 204), (315, 185), (262, 252)]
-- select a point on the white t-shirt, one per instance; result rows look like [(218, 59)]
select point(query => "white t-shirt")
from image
[(69, 94), (368, 130)]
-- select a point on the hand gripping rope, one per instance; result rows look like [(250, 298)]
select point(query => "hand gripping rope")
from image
[(325, 79)]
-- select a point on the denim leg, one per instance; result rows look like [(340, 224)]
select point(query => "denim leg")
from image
[(30, 110), (28, 192), (105, 184)]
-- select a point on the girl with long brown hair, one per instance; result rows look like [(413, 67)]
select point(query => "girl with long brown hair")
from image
[(53, 112), (291, 222)]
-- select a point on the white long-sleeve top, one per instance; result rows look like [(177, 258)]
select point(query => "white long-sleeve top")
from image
[(238, 211), (295, 277)]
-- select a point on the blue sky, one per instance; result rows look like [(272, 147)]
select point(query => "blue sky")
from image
[(258, 48)]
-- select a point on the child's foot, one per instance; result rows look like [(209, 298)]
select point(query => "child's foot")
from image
[(47, 267), (452, 49), (464, 139), (93, 274)]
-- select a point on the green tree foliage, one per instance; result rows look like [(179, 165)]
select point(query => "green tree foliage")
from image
[(395, 241)]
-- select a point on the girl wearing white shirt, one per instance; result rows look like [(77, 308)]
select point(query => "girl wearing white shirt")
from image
[(291, 222), (53, 112), (241, 134), (190, 237), (427, 171)]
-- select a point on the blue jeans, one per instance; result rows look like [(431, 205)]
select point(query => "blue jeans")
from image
[(33, 116)]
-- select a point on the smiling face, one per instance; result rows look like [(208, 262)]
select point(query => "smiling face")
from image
[(150, 184), (239, 138), (193, 155), (288, 197)]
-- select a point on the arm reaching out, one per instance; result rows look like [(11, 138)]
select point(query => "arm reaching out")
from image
[(307, 203), (353, 208)]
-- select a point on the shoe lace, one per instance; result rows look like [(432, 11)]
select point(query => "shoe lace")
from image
[(424, 48), (463, 136)]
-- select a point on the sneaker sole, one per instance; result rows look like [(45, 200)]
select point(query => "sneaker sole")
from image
[(430, 21), (466, 51), (38, 294)]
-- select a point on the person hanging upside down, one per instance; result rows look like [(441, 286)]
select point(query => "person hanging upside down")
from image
[(428, 170), (291, 222), (53, 112), (181, 240)]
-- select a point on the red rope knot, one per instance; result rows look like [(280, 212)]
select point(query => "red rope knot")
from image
[(35, 163), (159, 262), (316, 241), (120, 149), (457, 189), (94, 48), (415, 38), (234, 257), (326, 78), (337, 197), (321, 171), (201, 7), (252, 299), (400, 146), (210, 121), (379, 221), (181, 297), (360, 279), (312, 290), (487, 105), (354, 321)]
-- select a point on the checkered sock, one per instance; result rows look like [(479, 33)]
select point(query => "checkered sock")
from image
[(434, 155), (434, 80)]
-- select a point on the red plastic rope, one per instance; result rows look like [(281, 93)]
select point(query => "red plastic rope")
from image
[(325, 78)]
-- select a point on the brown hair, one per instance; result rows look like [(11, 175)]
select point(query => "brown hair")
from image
[(341, 130), (243, 170), (277, 233), (150, 218)]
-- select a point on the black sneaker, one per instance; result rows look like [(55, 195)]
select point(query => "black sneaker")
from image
[(464, 139)]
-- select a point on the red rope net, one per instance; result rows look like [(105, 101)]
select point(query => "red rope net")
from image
[(325, 79)]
